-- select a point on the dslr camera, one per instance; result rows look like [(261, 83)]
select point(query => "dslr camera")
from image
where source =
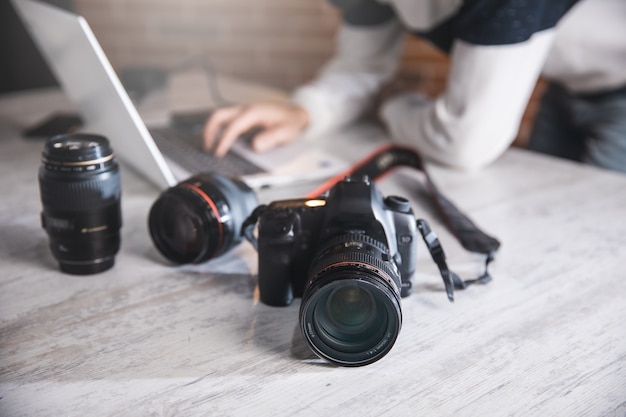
[(350, 256)]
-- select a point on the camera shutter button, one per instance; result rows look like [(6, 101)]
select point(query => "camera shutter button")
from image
[(284, 229), (284, 225)]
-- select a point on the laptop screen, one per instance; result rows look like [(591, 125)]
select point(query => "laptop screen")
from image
[(86, 76)]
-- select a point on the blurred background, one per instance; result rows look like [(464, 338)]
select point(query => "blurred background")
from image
[(281, 43)]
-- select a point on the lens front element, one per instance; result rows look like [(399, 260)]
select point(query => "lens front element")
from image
[(181, 229), (350, 319), (351, 308)]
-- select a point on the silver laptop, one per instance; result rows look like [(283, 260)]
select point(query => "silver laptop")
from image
[(90, 82)]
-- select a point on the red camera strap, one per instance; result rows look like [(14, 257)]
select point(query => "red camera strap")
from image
[(472, 238)]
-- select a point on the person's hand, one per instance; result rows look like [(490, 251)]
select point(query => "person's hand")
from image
[(278, 124)]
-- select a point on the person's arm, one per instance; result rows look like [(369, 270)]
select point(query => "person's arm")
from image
[(368, 46), (478, 115), (497, 51), (366, 58)]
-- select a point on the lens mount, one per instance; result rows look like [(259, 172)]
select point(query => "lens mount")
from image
[(350, 312), (93, 266)]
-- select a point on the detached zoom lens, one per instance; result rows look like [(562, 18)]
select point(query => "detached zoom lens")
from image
[(79, 183), (350, 312), (200, 218)]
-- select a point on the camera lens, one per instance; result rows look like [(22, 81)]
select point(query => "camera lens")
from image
[(200, 218), (79, 183), (351, 308), (350, 312), (349, 318)]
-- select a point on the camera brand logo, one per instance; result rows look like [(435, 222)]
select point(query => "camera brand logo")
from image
[(385, 161), (94, 229)]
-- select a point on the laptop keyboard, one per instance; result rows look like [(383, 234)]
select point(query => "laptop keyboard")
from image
[(185, 148)]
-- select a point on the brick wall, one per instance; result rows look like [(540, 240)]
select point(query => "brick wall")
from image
[(278, 42)]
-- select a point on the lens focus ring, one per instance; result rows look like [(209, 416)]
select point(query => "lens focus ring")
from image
[(80, 194), (357, 249)]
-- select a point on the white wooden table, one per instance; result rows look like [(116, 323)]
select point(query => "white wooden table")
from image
[(546, 338)]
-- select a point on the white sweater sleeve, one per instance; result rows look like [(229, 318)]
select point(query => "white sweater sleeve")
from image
[(477, 117), (343, 91)]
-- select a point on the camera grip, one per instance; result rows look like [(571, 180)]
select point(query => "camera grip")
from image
[(276, 239)]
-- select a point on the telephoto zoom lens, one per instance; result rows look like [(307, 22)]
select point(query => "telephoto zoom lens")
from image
[(79, 184), (200, 218)]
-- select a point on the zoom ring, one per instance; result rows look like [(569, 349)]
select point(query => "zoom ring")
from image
[(333, 256)]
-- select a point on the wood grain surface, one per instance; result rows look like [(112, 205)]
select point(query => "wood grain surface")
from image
[(546, 338)]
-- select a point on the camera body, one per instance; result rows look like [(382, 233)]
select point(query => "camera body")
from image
[(354, 224)]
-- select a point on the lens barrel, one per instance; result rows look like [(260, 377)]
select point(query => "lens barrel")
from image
[(79, 184), (200, 218), (350, 312)]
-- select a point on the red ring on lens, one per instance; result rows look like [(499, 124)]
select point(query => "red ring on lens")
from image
[(216, 212)]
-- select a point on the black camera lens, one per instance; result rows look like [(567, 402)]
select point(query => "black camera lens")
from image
[(79, 183), (200, 218), (351, 308), (350, 312)]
